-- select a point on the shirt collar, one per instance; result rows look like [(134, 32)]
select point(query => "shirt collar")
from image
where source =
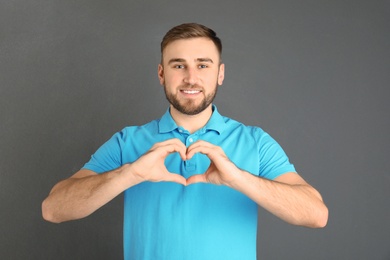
[(166, 123), (215, 123)]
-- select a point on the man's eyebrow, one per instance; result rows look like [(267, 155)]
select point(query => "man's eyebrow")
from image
[(176, 60), (204, 60), (183, 60)]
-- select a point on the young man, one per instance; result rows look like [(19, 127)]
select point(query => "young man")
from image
[(192, 180)]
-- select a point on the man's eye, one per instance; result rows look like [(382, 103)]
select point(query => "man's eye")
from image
[(179, 66), (203, 66)]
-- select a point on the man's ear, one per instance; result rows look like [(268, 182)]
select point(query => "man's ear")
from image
[(161, 74), (221, 74)]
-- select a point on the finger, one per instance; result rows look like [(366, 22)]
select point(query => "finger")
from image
[(198, 178), (170, 146), (204, 148), (179, 147), (195, 146), (200, 143), (173, 177)]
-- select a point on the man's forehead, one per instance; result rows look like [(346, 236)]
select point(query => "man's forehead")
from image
[(194, 49)]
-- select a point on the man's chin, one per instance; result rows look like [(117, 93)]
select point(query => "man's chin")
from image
[(190, 110)]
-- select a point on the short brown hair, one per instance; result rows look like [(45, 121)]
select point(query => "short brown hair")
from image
[(188, 31)]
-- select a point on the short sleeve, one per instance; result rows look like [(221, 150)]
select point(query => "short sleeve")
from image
[(108, 157), (273, 160)]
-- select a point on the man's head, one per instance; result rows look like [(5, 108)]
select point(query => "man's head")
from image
[(189, 31), (191, 68)]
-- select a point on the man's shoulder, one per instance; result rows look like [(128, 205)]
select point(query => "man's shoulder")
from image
[(150, 127), (235, 125)]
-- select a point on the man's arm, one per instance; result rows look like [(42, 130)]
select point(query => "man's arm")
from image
[(82, 194), (288, 197), (86, 191)]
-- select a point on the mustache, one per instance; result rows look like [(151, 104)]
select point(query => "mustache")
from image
[(189, 86)]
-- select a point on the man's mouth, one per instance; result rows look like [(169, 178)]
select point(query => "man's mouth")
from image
[(190, 91)]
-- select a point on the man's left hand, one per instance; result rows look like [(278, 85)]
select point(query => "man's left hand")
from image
[(221, 170)]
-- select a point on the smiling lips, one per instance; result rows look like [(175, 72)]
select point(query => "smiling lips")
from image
[(190, 92)]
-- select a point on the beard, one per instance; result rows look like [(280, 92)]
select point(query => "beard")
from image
[(189, 107)]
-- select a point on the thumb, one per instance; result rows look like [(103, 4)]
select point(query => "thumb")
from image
[(173, 177), (197, 178)]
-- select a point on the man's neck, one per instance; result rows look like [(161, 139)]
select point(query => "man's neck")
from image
[(191, 123)]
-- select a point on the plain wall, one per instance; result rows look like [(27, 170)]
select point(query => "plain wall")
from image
[(314, 74)]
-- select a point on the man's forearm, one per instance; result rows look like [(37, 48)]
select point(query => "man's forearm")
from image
[(298, 204), (78, 197)]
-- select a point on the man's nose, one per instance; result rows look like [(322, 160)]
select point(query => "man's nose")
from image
[(191, 76)]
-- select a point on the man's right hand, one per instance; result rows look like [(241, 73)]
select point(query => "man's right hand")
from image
[(151, 167)]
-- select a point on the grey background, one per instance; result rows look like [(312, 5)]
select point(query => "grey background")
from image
[(314, 74)]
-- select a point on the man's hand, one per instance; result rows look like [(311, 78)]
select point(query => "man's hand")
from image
[(221, 170), (151, 167)]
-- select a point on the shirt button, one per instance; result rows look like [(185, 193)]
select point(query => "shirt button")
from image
[(191, 140)]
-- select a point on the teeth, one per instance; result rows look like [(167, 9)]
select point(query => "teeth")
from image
[(191, 91)]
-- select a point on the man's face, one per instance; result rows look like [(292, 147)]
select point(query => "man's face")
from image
[(190, 73)]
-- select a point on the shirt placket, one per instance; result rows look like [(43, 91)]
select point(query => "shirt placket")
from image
[(190, 165)]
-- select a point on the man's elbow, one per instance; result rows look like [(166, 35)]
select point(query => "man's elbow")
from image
[(47, 213), (321, 219), (321, 213)]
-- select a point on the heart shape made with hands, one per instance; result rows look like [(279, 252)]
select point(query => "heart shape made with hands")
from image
[(196, 178), (221, 170), (212, 175)]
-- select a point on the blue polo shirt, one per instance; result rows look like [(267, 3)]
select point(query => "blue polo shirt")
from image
[(201, 221)]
